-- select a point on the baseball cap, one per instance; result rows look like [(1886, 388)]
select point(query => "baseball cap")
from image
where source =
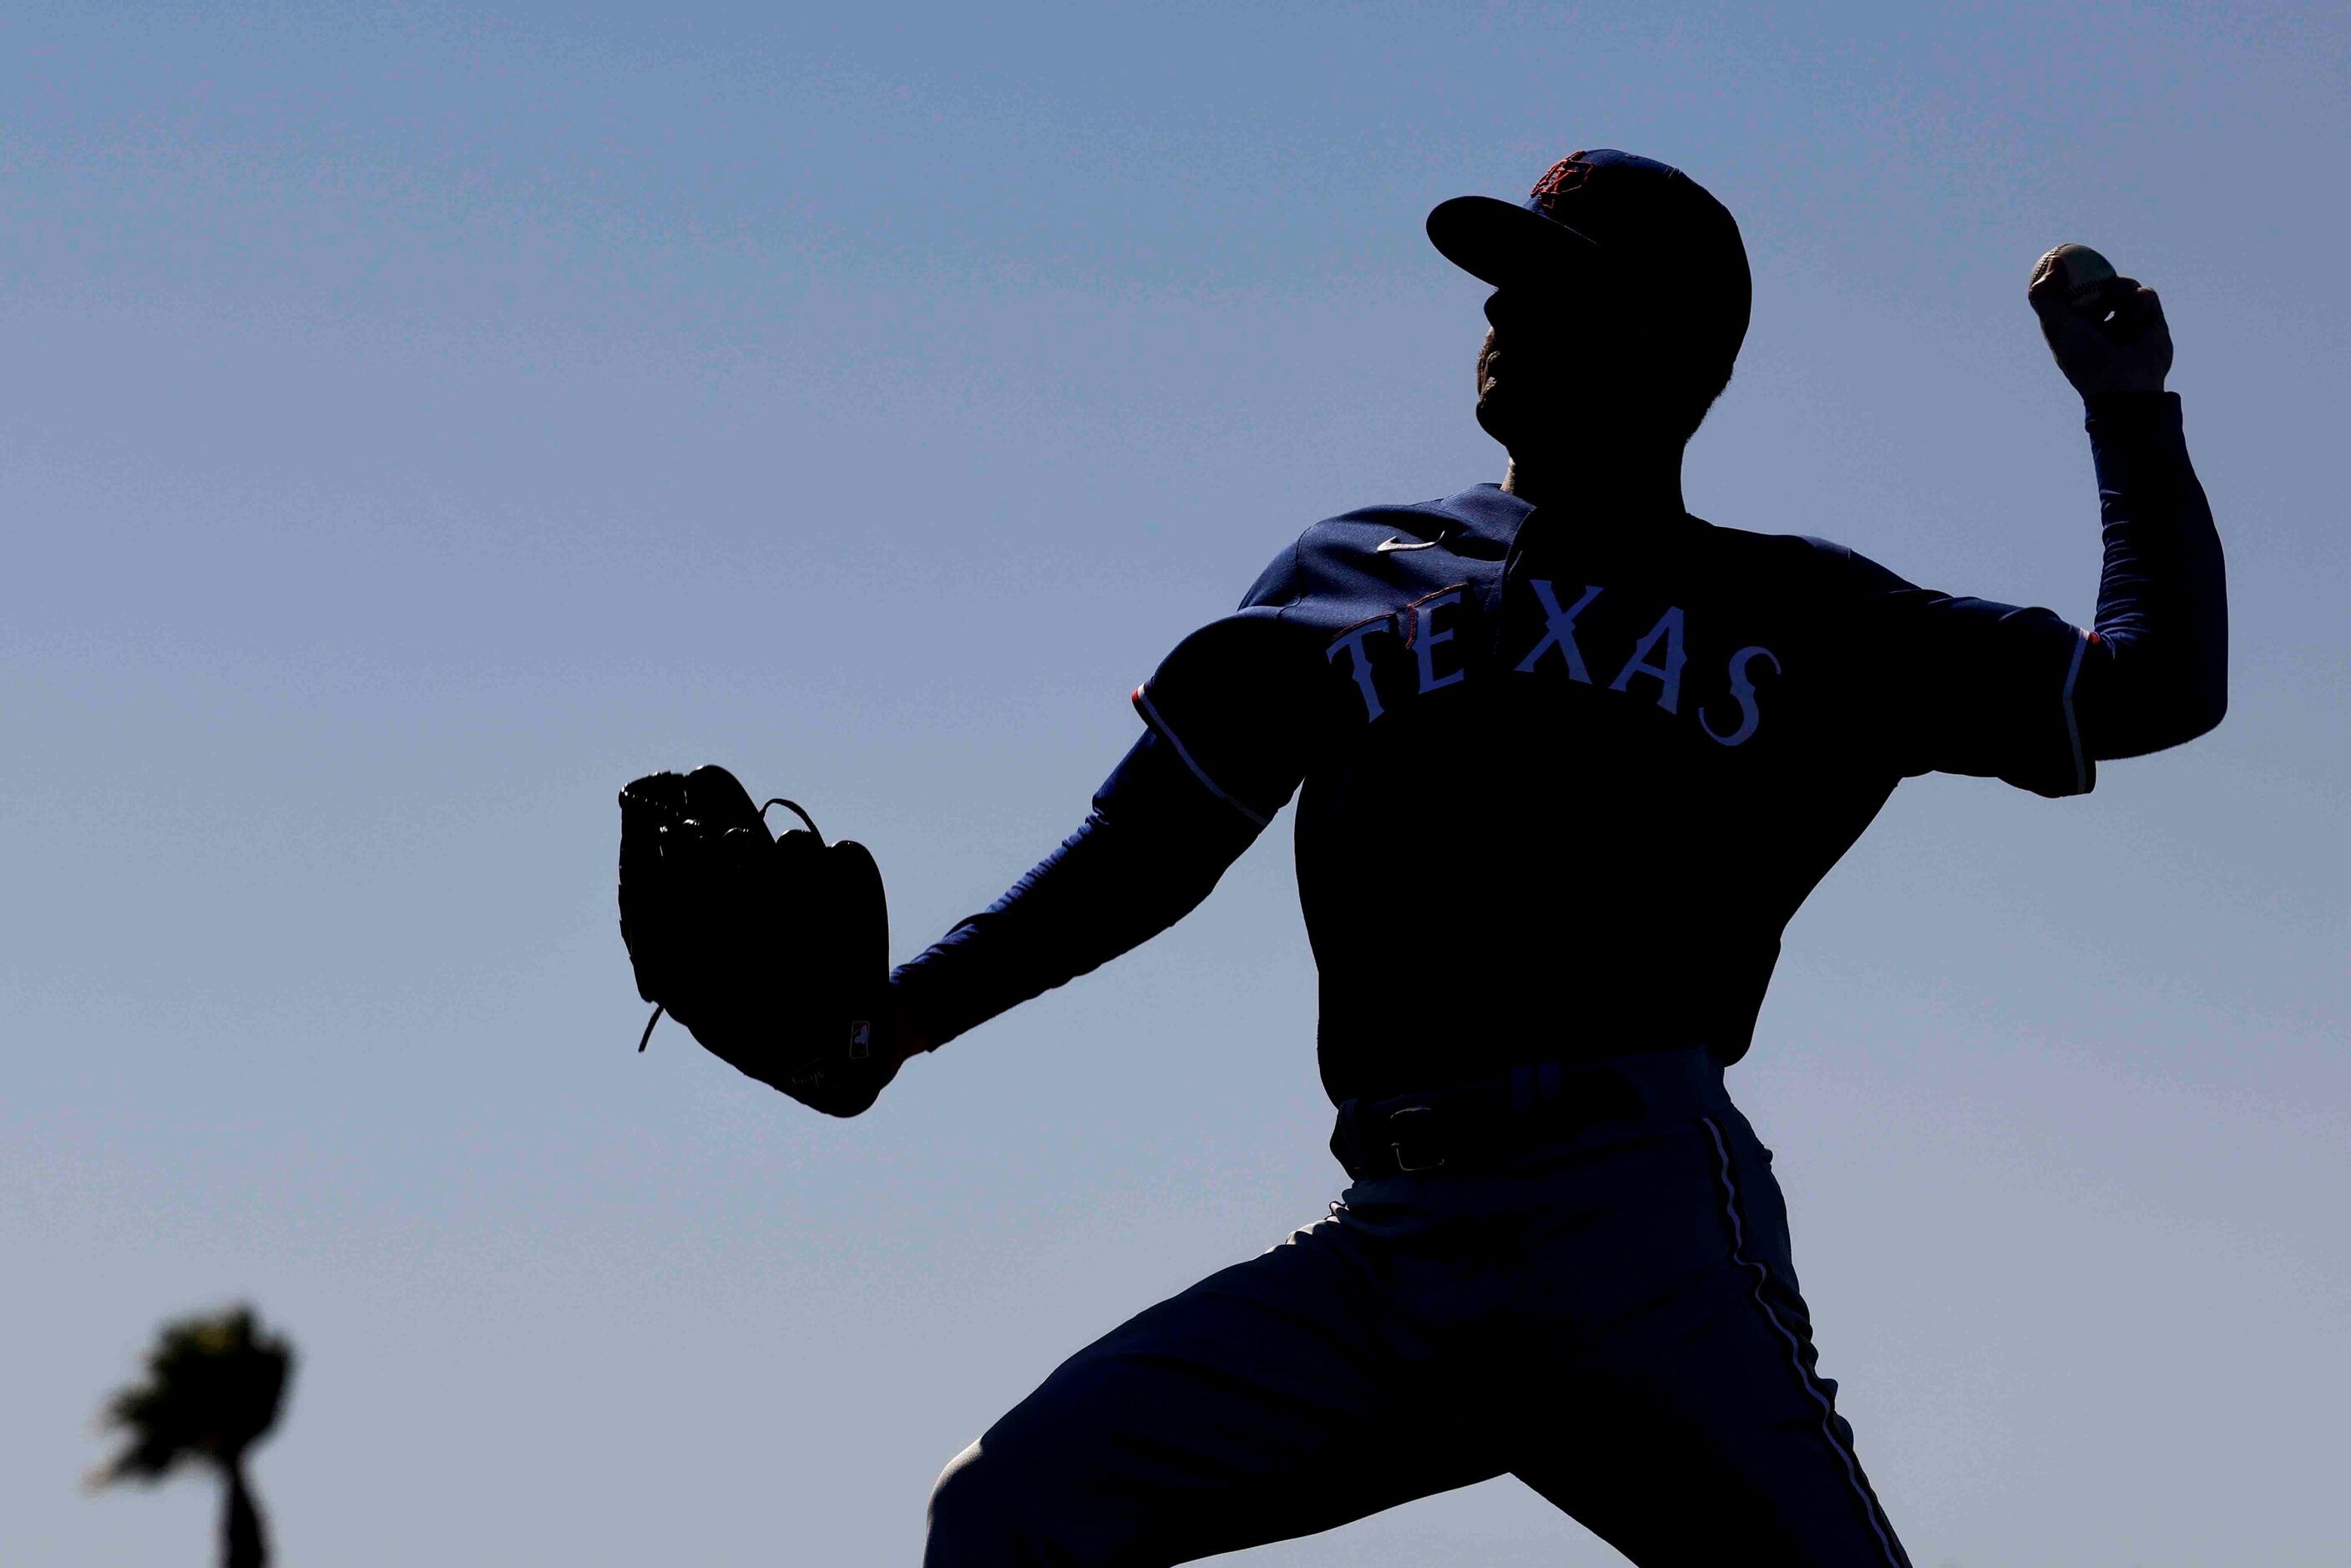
[(1614, 224)]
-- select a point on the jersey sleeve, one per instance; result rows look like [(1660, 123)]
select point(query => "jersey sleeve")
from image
[(1146, 855), (1956, 685), (2157, 673), (1224, 749), (1236, 702)]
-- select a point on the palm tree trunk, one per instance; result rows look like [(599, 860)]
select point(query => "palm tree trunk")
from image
[(244, 1543)]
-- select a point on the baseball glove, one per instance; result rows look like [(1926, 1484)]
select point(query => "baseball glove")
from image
[(773, 951)]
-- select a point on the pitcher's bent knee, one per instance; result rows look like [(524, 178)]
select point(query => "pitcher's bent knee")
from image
[(973, 1518)]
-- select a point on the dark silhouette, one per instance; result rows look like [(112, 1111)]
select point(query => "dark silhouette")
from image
[(1567, 760), (213, 1390)]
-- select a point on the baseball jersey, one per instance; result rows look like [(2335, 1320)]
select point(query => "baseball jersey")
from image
[(1565, 774)]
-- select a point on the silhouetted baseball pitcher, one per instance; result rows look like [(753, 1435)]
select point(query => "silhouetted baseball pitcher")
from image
[(1567, 760)]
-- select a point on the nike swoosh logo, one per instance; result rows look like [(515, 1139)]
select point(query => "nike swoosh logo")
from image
[(1395, 542)]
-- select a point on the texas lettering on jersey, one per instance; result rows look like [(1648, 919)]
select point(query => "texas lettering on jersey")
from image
[(1657, 659)]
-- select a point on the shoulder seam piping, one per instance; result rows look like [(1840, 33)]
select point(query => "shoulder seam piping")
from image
[(1151, 716)]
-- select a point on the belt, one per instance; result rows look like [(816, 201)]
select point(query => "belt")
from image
[(1478, 1125)]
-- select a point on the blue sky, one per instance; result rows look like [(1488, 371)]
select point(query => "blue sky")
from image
[(416, 421)]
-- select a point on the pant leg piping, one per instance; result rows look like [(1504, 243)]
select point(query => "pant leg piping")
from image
[(1869, 1506)]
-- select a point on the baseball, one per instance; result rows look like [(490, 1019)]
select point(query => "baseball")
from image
[(2086, 271)]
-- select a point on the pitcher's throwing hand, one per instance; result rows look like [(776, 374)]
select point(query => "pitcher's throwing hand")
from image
[(2107, 332)]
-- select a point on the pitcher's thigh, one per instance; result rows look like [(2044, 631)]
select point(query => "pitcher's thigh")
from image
[(1704, 1434), (1273, 1399)]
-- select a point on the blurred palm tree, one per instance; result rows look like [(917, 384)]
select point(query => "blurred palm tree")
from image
[(213, 1389)]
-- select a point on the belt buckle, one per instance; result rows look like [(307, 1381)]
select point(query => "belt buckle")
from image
[(1394, 1117)]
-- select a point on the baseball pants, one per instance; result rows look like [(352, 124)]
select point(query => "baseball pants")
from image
[(1613, 1318)]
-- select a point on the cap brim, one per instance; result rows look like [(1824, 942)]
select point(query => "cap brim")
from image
[(1502, 243)]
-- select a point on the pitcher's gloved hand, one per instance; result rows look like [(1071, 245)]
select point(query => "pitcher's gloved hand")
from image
[(773, 951), (2116, 340)]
